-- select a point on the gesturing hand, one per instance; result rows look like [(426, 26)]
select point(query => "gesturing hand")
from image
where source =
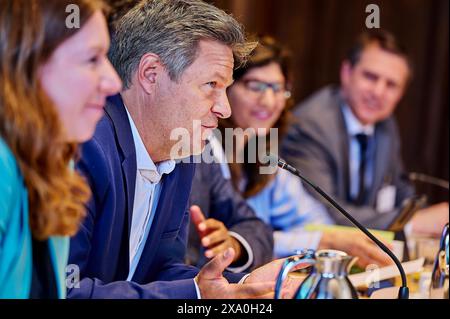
[(214, 235), (213, 285)]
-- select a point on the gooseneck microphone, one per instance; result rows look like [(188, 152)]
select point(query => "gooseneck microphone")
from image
[(404, 290)]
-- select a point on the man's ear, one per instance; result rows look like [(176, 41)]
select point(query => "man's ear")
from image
[(346, 70), (149, 70)]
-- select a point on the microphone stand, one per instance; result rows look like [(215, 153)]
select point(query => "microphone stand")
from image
[(404, 290)]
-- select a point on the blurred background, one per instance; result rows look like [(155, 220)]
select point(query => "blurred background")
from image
[(319, 33)]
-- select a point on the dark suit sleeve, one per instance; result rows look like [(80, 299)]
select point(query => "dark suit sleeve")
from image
[(303, 148), (80, 245), (92, 167), (96, 289), (229, 207)]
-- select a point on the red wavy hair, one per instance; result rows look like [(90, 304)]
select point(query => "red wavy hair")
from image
[(30, 31)]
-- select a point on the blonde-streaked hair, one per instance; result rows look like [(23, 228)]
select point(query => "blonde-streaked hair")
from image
[(30, 31)]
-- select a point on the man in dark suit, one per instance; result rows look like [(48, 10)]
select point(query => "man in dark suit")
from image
[(101, 247), (132, 242), (228, 222), (346, 139)]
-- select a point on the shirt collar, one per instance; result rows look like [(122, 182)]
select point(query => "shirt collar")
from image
[(145, 165), (354, 126)]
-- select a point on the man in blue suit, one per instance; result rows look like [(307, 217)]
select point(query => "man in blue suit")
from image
[(176, 60)]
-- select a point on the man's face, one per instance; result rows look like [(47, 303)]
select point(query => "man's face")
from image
[(374, 86), (198, 97)]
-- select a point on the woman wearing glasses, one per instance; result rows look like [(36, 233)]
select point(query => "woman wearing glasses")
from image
[(260, 100)]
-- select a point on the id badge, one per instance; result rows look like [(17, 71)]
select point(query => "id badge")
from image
[(386, 199)]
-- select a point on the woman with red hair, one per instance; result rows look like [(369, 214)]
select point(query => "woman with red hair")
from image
[(54, 80)]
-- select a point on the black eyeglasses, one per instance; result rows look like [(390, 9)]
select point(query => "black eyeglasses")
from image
[(260, 87)]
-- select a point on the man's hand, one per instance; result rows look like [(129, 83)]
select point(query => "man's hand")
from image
[(431, 220), (259, 284), (357, 245), (213, 285), (214, 235), (269, 272)]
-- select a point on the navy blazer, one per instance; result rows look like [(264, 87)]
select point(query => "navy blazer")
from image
[(101, 247)]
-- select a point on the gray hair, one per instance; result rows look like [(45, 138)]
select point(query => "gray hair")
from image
[(172, 30)]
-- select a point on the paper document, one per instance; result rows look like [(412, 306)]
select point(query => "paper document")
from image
[(368, 278)]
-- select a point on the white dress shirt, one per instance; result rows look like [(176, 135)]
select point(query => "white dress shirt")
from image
[(147, 191), (355, 127)]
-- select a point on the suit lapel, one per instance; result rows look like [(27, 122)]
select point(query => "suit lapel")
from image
[(382, 146), (344, 148), (129, 167), (115, 109)]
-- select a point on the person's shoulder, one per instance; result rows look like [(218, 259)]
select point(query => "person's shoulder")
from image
[(318, 102), (284, 180), (319, 114), (283, 175), (99, 156), (9, 170), (187, 168), (389, 124), (388, 129), (110, 130), (103, 143), (10, 183), (104, 132)]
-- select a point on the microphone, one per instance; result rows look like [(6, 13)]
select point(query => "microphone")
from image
[(404, 290), (419, 177)]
